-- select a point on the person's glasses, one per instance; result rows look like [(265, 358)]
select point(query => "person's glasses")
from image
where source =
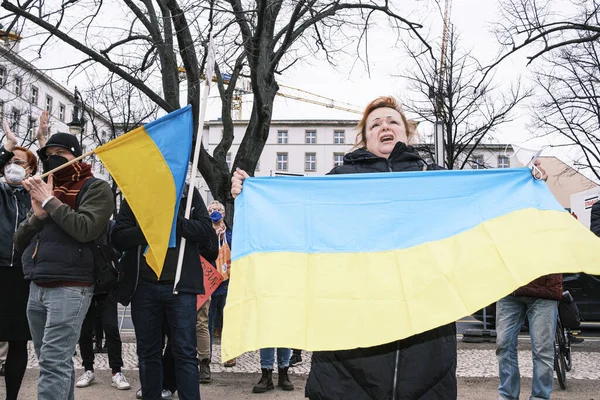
[(20, 163)]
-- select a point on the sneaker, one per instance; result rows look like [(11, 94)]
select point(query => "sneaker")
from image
[(204, 371), (165, 395), (295, 359), (119, 381), (86, 379), (576, 339)]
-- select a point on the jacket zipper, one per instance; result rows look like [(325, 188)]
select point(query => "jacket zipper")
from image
[(12, 254), (396, 370), (389, 164)]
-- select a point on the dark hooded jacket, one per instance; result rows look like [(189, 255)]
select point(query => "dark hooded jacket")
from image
[(421, 367), (595, 219)]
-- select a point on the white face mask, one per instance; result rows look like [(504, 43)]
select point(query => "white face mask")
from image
[(524, 155), (14, 173)]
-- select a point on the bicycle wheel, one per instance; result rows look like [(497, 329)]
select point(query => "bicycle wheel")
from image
[(560, 362), (568, 358)]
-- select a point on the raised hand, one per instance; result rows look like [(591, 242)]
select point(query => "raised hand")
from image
[(11, 139), (237, 180), (42, 132)]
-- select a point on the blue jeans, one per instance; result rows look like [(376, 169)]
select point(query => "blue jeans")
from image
[(510, 315), (267, 358), (55, 317), (150, 303)]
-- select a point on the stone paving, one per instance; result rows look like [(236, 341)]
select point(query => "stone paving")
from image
[(471, 363)]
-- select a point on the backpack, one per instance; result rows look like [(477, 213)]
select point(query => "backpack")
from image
[(106, 257), (569, 312)]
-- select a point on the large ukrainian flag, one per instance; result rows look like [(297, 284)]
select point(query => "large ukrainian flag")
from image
[(150, 165), (347, 261)]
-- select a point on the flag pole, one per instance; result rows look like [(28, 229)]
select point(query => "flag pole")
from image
[(210, 61)]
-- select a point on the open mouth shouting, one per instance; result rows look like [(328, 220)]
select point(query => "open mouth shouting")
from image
[(386, 138)]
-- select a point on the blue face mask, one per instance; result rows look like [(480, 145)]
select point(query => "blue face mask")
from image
[(216, 216)]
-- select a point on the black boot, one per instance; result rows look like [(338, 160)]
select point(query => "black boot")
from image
[(265, 383), (283, 380), (204, 371)]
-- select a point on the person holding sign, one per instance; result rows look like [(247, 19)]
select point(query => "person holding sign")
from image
[(154, 298)]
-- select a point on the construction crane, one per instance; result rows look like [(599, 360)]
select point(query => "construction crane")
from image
[(440, 154)]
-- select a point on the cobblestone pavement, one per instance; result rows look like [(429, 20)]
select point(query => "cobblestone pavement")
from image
[(471, 362)]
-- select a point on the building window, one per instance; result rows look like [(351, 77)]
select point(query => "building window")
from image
[(310, 161), (18, 85), (311, 137), (31, 128), (339, 137), (478, 162), (282, 137), (49, 104), (282, 161), (34, 95), (3, 76), (338, 159), (61, 112), (503, 162), (228, 160), (15, 116)]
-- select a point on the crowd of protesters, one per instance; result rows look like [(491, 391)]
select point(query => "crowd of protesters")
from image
[(49, 294)]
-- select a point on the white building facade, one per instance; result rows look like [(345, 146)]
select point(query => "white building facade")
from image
[(25, 92)]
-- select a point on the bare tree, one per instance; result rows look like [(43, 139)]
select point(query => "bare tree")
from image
[(263, 38), (468, 115), (542, 26), (569, 105)]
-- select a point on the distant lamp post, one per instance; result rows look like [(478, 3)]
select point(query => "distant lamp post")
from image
[(77, 124)]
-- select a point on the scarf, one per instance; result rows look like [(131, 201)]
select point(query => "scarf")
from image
[(69, 180)]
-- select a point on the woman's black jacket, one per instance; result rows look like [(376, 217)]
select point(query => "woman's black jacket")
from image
[(421, 367)]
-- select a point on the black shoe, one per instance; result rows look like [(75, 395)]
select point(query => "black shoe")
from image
[(283, 380), (204, 371), (295, 359), (104, 348), (97, 348), (576, 339), (265, 383)]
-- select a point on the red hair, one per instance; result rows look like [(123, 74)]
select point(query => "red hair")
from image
[(30, 158), (382, 102)]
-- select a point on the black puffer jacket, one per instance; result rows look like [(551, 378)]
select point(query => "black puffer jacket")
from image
[(15, 203), (422, 367), (595, 219), (201, 240)]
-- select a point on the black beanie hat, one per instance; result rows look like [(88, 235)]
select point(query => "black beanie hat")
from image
[(64, 140)]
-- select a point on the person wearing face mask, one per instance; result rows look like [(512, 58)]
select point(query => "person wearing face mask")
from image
[(421, 367), (216, 211), (56, 242), (16, 164)]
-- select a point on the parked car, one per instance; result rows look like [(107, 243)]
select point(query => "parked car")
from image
[(584, 288)]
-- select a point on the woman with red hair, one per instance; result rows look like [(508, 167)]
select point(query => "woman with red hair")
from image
[(16, 164)]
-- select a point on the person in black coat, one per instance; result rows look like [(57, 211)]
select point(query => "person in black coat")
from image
[(595, 219), (154, 299), (423, 366), (420, 367), (16, 165)]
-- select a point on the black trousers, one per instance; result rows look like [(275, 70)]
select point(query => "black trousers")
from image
[(106, 304)]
